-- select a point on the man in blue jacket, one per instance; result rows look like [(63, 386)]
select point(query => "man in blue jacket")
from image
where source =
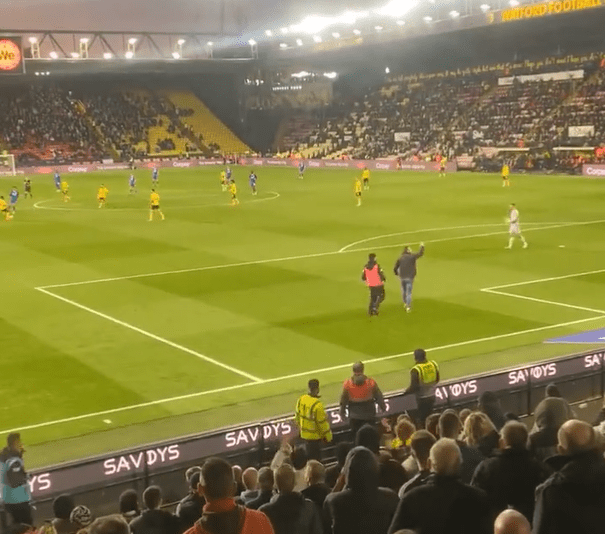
[(15, 492)]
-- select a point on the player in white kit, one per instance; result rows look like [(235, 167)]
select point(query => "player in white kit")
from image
[(514, 229)]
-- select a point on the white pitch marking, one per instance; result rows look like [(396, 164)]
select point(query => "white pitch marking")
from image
[(542, 301), (550, 279), (278, 379), (299, 257), (152, 336)]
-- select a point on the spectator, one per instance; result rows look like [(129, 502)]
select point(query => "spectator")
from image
[(490, 406), (297, 457), (153, 520), (450, 426), (421, 444), (511, 476), (110, 524), (443, 503), (431, 423), (266, 482), (360, 395), (190, 508), (20, 528), (464, 414), (512, 522), (238, 474), (481, 433), (221, 514), (573, 498), (81, 516), (62, 507), (333, 472), (549, 415), (317, 490), (363, 506), (391, 473), (129, 505), (15, 492), (288, 511), (250, 481)]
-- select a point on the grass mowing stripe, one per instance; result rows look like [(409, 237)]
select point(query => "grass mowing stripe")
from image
[(543, 301), (540, 280), (152, 336), (278, 379)]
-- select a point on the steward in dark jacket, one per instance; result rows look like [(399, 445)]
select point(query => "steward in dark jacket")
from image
[(362, 507)]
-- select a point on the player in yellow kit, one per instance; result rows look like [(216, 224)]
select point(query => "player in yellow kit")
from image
[(233, 191), (505, 173), (65, 191), (224, 183), (154, 205), (357, 189), (102, 195), (4, 209), (442, 163), (365, 176)]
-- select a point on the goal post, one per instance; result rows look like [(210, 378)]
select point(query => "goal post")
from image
[(7, 165)]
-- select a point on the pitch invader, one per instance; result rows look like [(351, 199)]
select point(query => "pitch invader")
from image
[(155, 177), (514, 229), (505, 176), (442, 163), (252, 179), (27, 188), (301, 169), (132, 184), (13, 197), (357, 189), (65, 191), (365, 176), (57, 179)]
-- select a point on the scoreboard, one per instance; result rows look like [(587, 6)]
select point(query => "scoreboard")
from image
[(11, 55)]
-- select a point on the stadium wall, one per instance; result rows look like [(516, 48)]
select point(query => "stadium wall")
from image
[(579, 376)]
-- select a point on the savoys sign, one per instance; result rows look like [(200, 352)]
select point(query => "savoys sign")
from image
[(11, 55)]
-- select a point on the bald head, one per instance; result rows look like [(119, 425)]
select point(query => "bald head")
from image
[(445, 458), (514, 435), (576, 437), (250, 478), (511, 522), (285, 478)]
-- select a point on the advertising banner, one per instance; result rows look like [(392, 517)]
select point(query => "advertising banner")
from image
[(593, 170), (401, 137), (11, 55), (544, 77), (581, 131)]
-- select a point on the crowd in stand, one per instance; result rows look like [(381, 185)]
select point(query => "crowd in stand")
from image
[(478, 471)]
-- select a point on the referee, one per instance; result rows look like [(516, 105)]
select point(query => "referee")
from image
[(374, 278)]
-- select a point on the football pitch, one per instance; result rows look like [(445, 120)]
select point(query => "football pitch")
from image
[(118, 331)]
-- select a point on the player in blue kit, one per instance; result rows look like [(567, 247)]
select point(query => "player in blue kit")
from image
[(301, 169), (13, 197), (155, 177), (132, 184), (228, 174), (57, 181), (252, 179)]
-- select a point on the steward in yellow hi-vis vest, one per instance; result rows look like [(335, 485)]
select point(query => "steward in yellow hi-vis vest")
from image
[(424, 377), (311, 419)]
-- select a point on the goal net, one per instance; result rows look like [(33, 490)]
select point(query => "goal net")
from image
[(7, 165)]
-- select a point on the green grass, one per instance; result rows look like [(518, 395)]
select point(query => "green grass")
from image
[(299, 315)]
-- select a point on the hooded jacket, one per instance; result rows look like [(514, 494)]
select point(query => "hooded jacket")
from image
[(360, 395), (291, 513), (362, 507), (13, 478), (573, 498)]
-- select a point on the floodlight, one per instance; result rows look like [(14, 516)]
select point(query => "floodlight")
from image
[(47, 73), (210, 43), (84, 40), (356, 32), (251, 42), (397, 8), (181, 42), (299, 42), (37, 74), (427, 19), (129, 54), (378, 28), (485, 7), (33, 40), (336, 35), (176, 55), (400, 22), (75, 55), (132, 40), (330, 75), (514, 3), (107, 55), (283, 45), (454, 14), (387, 70), (53, 55), (317, 38), (284, 30), (301, 74), (268, 33)]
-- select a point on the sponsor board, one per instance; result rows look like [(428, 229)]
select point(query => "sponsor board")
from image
[(593, 170)]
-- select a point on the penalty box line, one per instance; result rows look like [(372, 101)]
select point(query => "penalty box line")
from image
[(306, 374), (495, 290)]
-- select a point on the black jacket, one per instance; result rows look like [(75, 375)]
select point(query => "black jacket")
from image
[(317, 493), (405, 266), (471, 458), (443, 505), (156, 522), (189, 510), (291, 513), (573, 498), (263, 498), (510, 479)]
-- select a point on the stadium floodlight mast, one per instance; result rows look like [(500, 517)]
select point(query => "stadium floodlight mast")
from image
[(396, 8), (253, 48), (132, 48), (34, 47), (84, 47), (177, 53), (210, 49)]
